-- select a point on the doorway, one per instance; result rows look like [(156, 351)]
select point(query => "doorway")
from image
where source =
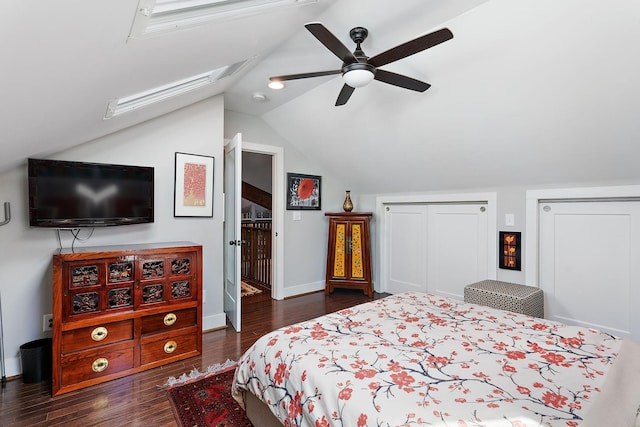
[(256, 226), (262, 218), (234, 151)]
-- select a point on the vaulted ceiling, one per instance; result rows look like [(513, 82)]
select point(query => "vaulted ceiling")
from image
[(533, 92)]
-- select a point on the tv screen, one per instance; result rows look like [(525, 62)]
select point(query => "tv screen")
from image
[(65, 194)]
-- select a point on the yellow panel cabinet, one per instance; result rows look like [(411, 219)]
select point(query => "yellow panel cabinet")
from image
[(349, 252)]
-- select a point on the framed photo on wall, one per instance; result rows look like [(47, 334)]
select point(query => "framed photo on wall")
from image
[(509, 250), (193, 186), (303, 192)]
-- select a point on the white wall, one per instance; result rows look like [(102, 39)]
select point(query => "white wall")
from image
[(25, 253)]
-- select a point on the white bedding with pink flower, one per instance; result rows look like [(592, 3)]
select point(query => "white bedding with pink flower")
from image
[(420, 359)]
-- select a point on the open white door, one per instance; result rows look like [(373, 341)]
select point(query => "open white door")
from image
[(232, 236)]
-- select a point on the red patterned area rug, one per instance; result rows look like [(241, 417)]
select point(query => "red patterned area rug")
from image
[(204, 399)]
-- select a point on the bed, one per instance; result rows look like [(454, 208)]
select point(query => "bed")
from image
[(421, 359)]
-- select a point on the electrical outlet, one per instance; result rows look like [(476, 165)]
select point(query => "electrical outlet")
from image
[(47, 322)]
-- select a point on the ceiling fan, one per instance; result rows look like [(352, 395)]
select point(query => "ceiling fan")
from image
[(359, 70)]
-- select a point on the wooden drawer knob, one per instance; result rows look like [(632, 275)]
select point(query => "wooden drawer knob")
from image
[(99, 333), (170, 319), (99, 365), (170, 347)]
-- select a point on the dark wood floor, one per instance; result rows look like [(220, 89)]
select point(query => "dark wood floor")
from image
[(136, 400)]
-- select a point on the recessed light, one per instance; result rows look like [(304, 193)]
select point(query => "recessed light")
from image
[(276, 85), (260, 97)]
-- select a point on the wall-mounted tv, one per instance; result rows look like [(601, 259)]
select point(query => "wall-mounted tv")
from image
[(65, 194)]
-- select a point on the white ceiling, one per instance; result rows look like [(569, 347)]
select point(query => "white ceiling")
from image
[(527, 92)]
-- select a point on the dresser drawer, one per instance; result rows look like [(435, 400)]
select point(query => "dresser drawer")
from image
[(94, 336), (170, 320), (88, 365), (169, 346)]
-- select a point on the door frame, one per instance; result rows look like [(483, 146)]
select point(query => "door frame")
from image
[(532, 228), (277, 212), (490, 198)]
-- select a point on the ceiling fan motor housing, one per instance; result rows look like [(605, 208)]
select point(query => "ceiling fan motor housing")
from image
[(358, 34)]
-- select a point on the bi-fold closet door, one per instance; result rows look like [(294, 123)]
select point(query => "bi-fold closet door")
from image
[(436, 248)]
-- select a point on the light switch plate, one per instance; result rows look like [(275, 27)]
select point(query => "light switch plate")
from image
[(509, 220), (297, 215)]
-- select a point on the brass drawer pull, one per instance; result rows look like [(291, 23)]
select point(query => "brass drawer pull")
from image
[(170, 347), (99, 333), (170, 319), (100, 364)]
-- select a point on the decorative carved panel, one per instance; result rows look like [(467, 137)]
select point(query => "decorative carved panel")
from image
[(153, 293), (181, 289), (120, 271), (84, 275), (152, 269), (121, 297), (181, 266), (86, 302)]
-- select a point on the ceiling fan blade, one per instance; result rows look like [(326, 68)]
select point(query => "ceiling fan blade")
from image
[(401, 81), (331, 42), (344, 95), (411, 47), (303, 75)]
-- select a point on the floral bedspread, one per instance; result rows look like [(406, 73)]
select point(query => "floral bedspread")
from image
[(420, 359)]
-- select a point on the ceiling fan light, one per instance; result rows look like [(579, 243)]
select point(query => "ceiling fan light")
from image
[(276, 85), (358, 78), (358, 74)]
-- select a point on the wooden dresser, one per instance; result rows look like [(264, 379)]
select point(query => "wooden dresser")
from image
[(118, 310), (349, 252)]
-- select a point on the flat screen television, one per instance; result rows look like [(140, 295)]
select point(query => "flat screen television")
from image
[(64, 194)]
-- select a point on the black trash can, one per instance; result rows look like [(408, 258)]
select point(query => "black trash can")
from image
[(36, 361)]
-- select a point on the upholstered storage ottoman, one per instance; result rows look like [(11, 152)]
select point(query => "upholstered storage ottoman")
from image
[(506, 296)]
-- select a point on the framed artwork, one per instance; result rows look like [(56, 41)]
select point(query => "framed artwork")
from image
[(193, 187), (303, 192), (509, 251)]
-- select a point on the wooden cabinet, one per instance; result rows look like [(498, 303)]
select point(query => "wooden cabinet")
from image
[(349, 252), (118, 310)]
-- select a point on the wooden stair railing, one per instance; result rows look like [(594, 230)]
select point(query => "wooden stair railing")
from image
[(256, 252)]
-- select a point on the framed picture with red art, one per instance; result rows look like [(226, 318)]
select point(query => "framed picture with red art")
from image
[(193, 189), (509, 250), (303, 192)]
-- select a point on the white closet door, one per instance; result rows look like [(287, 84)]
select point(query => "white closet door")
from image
[(589, 269), (435, 248), (457, 248), (405, 249)]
